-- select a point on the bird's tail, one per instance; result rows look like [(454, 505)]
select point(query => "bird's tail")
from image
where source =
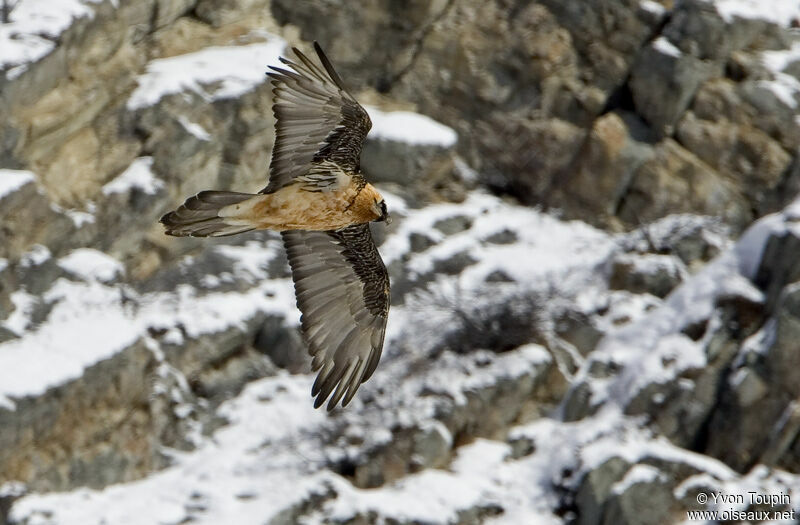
[(200, 215)]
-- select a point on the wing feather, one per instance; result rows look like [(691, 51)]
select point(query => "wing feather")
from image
[(317, 119), (342, 290)]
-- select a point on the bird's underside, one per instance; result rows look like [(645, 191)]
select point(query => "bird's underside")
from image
[(301, 205), (322, 205)]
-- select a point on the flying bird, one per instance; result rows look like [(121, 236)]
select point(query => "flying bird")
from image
[(322, 205)]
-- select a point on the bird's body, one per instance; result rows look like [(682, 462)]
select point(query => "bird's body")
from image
[(296, 207), (318, 200)]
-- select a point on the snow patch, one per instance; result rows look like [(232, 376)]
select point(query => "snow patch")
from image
[(652, 7), (36, 256), (409, 127), (784, 86), (19, 320), (253, 258), (664, 46), (89, 264), (106, 319), (12, 180), (780, 12), (79, 218), (34, 28), (565, 253), (195, 129), (254, 468), (637, 474), (138, 175), (213, 73)]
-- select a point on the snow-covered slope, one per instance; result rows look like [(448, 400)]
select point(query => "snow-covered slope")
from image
[(272, 458)]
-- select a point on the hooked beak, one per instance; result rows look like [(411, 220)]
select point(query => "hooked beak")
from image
[(384, 213)]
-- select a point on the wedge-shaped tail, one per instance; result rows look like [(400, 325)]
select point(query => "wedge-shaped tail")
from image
[(199, 216)]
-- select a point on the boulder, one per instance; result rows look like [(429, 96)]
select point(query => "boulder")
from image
[(676, 181)]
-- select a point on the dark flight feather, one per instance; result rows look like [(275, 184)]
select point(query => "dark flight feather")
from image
[(342, 289), (317, 120)]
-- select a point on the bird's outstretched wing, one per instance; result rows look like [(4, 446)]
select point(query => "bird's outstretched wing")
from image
[(317, 120), (342, 290)]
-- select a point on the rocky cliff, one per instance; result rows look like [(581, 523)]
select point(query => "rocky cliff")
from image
[(596, 299)]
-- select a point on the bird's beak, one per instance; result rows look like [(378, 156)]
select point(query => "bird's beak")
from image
[(387, 219)]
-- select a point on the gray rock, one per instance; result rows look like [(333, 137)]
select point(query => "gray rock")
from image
[(6, 334), (502, 237), (736, 151), (595, 488), (777, 266), (593, 189), (454, 264), (419, 242), (432, 444), (73, 444), (676, 181), (753, 424), (453, 225), (283, 345), (499, 276), (402, 163), (654, 274), (663, 84), (748, 387), (579, 330), (700, 31), (646, 499), (694, 240)]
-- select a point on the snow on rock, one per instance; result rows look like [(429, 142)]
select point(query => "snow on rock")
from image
[(561, 250), (666, 47), (480, 477), (138, 175), (36, 256), (786, 87), (781, 12), (12, 180), (652, 350), (270, 458), (652, 7), (98, 315), (409, 127), (79, 218), (252, 258), (33, 30), (253, 468), (19, 319), (637, 474), (213, 72), (194, 128), (90, 264)]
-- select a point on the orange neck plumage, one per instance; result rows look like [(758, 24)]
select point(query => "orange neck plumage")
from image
[(363, 206)]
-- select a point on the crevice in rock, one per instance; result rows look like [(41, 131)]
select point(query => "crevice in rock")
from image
[(195, 17), (621, 98), (153, 22), (385, 85), (700, 442)]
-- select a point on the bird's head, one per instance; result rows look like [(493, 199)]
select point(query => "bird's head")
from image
[(379, 208)]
